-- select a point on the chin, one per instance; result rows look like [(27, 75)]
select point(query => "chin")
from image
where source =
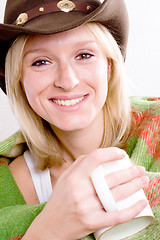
[(72, 126)]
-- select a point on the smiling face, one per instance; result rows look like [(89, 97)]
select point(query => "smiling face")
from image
[(65, 78)]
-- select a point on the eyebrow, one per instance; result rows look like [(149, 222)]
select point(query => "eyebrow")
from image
[(40, 49), (34, 50)]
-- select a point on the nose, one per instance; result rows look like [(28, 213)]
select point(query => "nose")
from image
[(67, 78)]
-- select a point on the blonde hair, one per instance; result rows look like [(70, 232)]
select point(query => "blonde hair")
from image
[(39, 136), (117, 106)]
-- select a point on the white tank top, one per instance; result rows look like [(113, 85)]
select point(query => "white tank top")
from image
[(40, 178)]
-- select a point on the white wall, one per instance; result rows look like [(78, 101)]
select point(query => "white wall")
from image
[(143, 55), (142, 62)]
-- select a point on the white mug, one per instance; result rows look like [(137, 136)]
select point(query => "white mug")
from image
[(124, 230)]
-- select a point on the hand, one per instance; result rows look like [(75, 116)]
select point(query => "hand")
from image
[(74, 210)]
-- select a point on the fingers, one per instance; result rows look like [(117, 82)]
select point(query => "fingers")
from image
[(123, 176), (129, 213), (104, 155), (99, 156), (126, 182), (125, 190), (107, 219)]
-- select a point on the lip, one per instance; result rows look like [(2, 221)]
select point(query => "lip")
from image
[(70, 97), (70, 107)]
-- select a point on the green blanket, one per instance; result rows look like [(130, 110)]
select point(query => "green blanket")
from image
[(143, 147)]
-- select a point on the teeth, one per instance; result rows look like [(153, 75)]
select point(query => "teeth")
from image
[(68, 102)]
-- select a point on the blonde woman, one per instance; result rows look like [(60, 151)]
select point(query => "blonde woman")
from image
[(64, 77)]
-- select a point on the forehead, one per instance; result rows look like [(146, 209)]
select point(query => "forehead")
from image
[(76, 35)]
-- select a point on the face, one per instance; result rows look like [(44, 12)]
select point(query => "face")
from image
[(65, 78)]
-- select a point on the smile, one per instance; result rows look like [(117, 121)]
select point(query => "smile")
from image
[(68, 102)]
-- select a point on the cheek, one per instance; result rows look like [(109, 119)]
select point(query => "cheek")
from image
[(103, 90), (102, 82), (31, 88), (33, 84)]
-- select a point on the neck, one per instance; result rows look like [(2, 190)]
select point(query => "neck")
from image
[(83, 141)]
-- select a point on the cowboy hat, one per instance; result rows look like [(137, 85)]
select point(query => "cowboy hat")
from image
[(53, 16)]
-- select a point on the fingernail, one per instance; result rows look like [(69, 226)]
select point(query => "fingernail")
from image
[(140, 169), (144, 180), (123, 153), (144, 203)]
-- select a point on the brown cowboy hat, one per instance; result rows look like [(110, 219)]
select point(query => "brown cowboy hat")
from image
[(53, 16)]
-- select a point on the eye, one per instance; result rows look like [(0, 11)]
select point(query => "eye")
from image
[(84, 56), (41, 62)]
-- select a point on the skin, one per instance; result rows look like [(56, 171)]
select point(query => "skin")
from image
[(67, 66), (68, 73)]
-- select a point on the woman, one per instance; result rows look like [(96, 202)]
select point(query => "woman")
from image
[(66, 84)]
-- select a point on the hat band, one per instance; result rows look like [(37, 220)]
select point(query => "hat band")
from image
[(64, 5)]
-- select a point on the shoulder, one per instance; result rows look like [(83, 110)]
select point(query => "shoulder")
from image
[(17, 165), (22, 176)]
